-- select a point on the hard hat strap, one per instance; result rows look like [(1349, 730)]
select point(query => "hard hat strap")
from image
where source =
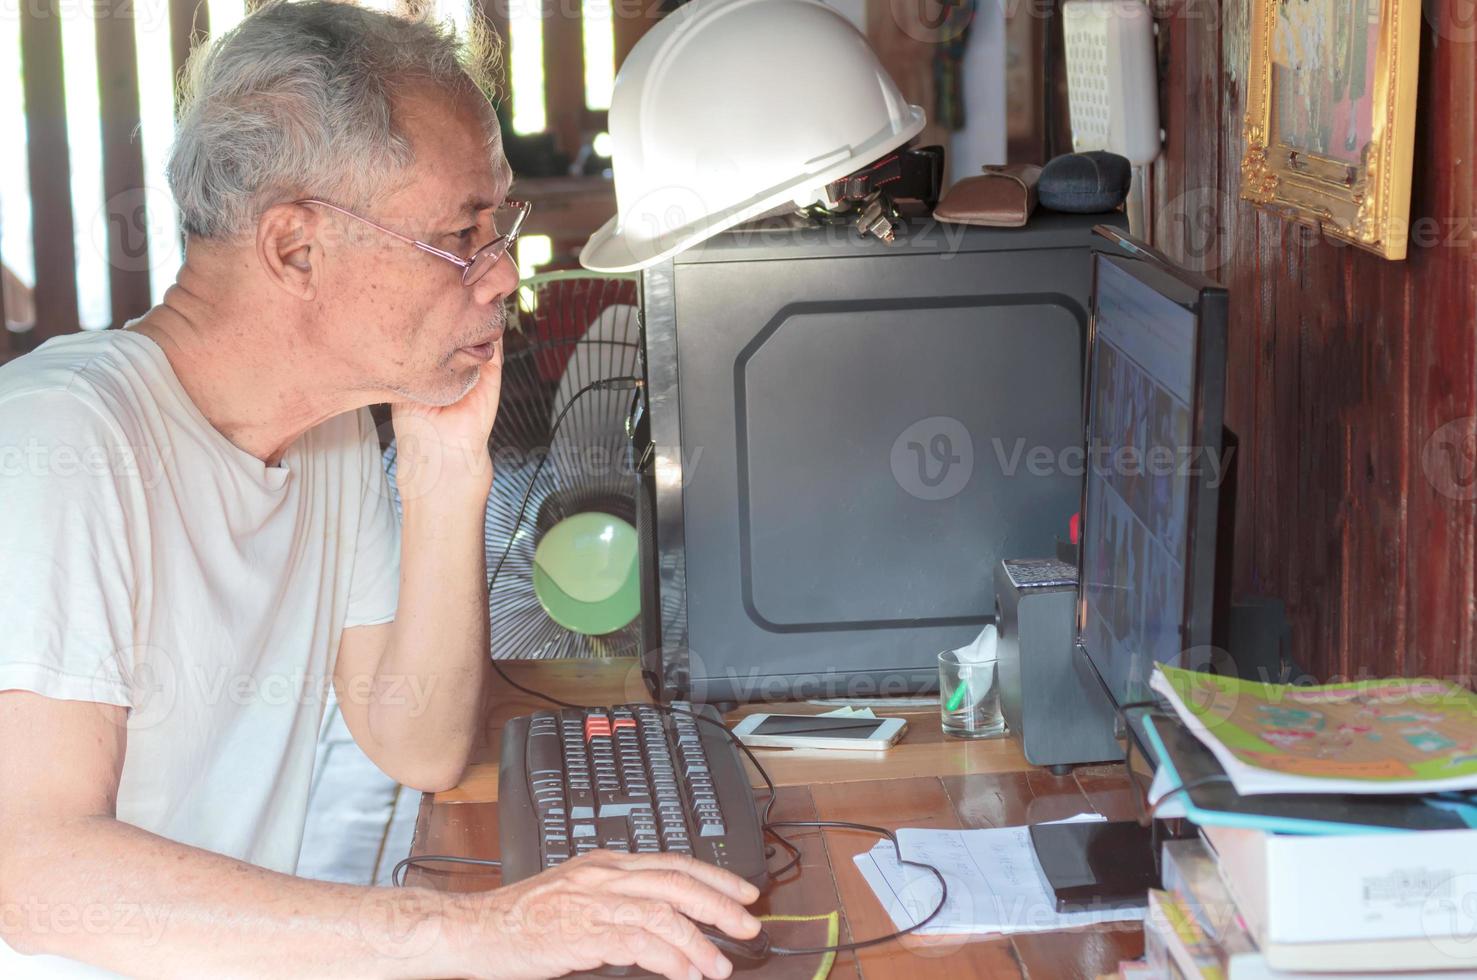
[(909, 173), (872, 193)]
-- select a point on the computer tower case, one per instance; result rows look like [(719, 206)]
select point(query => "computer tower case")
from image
[(845, 438)]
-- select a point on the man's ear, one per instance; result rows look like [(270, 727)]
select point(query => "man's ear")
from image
[(289, 248)]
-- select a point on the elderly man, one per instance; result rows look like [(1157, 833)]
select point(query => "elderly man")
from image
[(197, 538)]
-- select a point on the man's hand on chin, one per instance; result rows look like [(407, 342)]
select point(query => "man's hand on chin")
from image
[(439, 636), (443, 449)]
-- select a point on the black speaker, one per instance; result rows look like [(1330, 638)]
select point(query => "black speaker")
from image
[(1049, 697)]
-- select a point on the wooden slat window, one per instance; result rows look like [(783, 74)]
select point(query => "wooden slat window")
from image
[(49, 162), (88, 232), (125, 234)]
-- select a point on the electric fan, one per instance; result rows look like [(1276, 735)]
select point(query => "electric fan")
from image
[(566, 576)]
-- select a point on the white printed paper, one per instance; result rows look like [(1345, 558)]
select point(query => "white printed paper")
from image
[(995, 883)]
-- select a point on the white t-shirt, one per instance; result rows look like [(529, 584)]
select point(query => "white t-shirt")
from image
[(151, 563)]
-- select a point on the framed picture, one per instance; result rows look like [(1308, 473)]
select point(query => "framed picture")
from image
[(1330, 116)]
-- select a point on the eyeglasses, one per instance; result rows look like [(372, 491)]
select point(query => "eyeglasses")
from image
[(474, 266)]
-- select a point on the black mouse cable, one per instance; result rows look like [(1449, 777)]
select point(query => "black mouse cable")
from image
[(1148, 811), (419, 861), (623, 382), (898, 850)]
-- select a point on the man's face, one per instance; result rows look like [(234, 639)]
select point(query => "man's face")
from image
[(401, 316)]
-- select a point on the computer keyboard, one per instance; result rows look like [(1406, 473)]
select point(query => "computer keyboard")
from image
[(630, 777)]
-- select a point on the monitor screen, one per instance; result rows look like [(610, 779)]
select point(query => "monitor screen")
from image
[(1145, 591)]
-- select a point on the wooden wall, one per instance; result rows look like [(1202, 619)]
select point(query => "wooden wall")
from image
[(1351, 379)]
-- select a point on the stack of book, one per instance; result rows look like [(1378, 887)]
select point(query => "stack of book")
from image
[(1337, 830)]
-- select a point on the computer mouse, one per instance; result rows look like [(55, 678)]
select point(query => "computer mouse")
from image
[(742, 952)]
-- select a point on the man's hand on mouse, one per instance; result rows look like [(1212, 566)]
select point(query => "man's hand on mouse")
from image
[(605, 908)]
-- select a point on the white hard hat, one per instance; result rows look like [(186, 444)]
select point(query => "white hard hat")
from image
[(727, 109)]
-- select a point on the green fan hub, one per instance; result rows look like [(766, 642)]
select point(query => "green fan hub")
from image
[(584, 573)]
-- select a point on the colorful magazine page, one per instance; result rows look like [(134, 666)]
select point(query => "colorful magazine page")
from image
[(1397, 735)]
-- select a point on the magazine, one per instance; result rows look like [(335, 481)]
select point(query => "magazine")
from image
[(1396, 735)]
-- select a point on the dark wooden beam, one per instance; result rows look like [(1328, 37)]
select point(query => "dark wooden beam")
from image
[(124, 192), (50, 167), (633, 18), (564, 73), (1351, 380)]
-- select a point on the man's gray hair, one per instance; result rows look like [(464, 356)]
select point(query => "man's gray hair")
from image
[(296, 101)]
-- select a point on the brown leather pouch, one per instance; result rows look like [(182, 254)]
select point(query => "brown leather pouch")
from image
[(1001, 197)]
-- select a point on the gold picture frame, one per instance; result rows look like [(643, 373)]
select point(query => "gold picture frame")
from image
[(1330, 116)]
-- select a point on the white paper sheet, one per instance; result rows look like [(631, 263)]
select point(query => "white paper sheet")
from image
[(995, 883)]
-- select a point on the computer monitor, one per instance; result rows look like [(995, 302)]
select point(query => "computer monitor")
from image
[(1155, 368), (1154, 411)]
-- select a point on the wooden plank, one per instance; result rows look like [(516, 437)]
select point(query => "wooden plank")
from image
[(1081, 954), (459, 831), (1202, 170), (399, 836), (50, 168), (796, 767), (1378, 464), (1170, 210), (631, 20), (420, 836), (919, 802), (1239, 225), (1442, 369), (1036, 796), (124, 193), (1014, 799), (1110, 792), (1342, 369), (564, 74), (809, 889), (905, 34), (1058, 115), (1025, 88)]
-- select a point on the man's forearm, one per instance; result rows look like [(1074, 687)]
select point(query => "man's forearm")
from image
[(110, 894), (430, 679)]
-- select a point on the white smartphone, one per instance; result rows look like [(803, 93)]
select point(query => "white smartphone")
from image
[(820, 732)]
